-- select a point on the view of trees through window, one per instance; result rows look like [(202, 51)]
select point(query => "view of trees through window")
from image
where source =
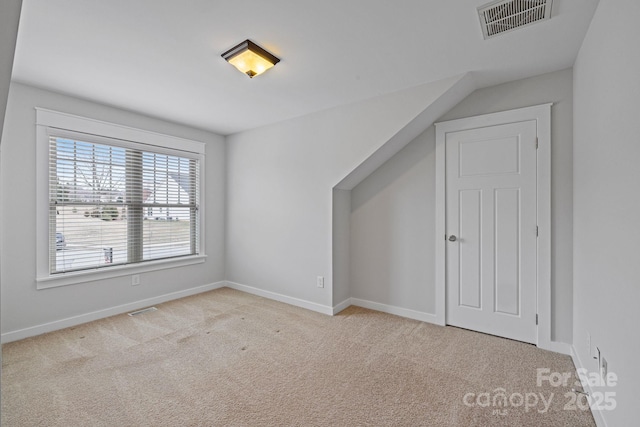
[(111, 205)]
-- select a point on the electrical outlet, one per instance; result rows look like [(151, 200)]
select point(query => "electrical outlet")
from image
[(320, 282), (135, 280)]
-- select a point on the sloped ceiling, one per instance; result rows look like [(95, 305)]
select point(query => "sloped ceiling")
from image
[(440, 98), (9, 18), (162, 57)]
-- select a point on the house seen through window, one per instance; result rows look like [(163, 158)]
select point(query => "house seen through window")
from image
[(113, 205)]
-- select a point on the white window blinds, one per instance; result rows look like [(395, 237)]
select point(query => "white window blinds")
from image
[(113, 204)]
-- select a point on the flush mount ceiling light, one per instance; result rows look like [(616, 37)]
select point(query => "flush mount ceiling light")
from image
[(250, 58)]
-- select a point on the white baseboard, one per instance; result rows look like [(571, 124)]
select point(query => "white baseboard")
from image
[(398, 311), (282, 298), (101, 314), (341, 306), (598, 416), (558, 347)]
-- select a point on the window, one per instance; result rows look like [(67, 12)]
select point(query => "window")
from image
[(114, 203)]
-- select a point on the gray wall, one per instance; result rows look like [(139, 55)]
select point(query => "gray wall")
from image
[(340, 236), (392, 230), (392, 217), (280, 190), (22, 305), (607, 201), (9, 19)]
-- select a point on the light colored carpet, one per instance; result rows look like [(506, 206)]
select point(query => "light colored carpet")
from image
[(226, 358)]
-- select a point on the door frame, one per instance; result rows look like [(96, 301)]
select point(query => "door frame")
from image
[(542, 115)]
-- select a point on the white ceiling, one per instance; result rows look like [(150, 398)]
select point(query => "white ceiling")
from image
[(162, 57)]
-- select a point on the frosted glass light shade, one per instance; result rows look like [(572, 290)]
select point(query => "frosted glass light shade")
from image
[(250, 58)]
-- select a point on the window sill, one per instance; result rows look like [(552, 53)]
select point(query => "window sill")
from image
[(73, 278)]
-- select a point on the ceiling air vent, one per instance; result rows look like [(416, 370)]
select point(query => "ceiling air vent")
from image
[(505, 15)]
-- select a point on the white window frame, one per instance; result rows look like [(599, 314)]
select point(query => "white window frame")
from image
[(50, 122)]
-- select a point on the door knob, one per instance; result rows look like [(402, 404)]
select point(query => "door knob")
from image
[(452, 238)]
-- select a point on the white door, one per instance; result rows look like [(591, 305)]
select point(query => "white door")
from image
[(491, 230)]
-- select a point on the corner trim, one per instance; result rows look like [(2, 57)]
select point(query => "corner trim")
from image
[(341, 306), (101, 314), (319, 308)]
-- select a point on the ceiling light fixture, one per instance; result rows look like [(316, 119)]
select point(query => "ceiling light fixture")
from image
[(250, 58)]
